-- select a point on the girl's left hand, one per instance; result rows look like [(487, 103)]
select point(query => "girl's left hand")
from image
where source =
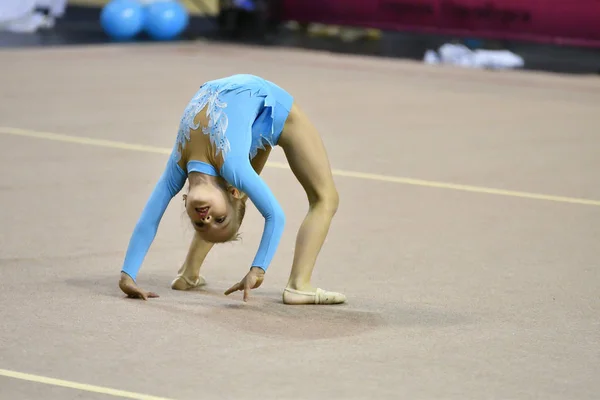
[(253, 279), (131, 289)]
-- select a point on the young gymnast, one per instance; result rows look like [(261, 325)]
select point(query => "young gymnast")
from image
[(225, 137)]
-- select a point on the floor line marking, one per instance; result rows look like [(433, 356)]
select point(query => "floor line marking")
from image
[(338, 172), (79, 386)]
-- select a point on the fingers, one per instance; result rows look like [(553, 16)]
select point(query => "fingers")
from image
[(246, 285), (234, 288), (130, 288), (137, 293), (251, 281), (247, 288)]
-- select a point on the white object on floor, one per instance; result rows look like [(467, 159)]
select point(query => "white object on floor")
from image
[(16, 12), (461, 55), (21, 16), (56, 8), (498, 59), (431, 57)]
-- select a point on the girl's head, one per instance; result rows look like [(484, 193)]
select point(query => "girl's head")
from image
[(216, 209)]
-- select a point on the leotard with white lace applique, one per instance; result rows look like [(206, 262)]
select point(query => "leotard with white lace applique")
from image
[(245, 113)]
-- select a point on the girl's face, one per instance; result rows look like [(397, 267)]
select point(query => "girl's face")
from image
[(212, 212)]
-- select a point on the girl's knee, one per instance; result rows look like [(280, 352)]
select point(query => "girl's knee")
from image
[(328, 201), (333, 201)]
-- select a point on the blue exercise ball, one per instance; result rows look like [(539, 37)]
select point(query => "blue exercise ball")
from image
[(122, 19), (165, 20)]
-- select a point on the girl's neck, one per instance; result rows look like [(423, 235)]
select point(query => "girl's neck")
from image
[(200, 179)]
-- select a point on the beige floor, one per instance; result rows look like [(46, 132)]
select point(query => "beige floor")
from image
[(454, 293)]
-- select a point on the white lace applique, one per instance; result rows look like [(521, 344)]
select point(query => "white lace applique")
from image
[(210, 94), (263, 141), (215, 114)]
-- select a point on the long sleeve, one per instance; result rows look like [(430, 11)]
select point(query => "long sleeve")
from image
[(238, 171), (169, 184)]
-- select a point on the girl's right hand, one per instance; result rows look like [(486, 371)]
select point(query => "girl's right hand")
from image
[(129, 287)]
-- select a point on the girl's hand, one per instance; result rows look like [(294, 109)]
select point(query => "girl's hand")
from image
[(253, 279), (129, 287)]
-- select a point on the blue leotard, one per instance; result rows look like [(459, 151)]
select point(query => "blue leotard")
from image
[(246, 113)]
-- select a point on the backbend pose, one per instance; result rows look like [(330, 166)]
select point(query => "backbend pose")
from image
[(225, 136)]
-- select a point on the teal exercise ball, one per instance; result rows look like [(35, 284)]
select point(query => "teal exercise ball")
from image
[(165, 20), (122, 19)]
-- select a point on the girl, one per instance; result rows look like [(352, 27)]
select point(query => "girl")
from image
[(225, 136)]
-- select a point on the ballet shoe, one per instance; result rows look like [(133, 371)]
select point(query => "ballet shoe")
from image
[(320, 296), (185, 283)]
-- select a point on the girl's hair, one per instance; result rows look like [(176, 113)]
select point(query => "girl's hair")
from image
[(241, 212), (240, 206)]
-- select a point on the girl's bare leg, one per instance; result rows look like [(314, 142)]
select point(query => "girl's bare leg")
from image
[(309, 162), (188, 276)]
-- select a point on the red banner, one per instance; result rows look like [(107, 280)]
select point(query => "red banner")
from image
[(574, 22)]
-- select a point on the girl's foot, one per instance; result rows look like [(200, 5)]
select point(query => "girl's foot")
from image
[(184, 283), (319, 296)]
